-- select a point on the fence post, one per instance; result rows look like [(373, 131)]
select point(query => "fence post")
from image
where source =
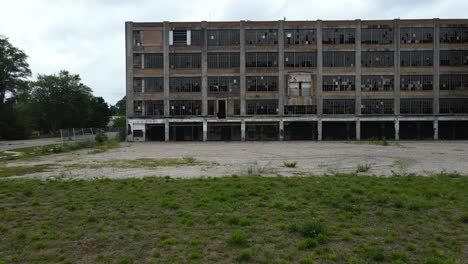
[(74, 138), (61, 135)]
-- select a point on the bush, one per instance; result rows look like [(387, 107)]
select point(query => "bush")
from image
[(238, 237), (100, 137)]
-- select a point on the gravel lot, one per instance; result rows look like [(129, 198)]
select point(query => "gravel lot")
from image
[(267, 158)]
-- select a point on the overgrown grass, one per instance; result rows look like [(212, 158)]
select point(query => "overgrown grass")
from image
[(22, 170), (339, 218), (105, 146), (145, 163), (365, 167), (290, 164)]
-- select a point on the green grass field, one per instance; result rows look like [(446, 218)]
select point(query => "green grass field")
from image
[(332, 219)]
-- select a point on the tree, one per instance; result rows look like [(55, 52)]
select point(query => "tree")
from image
[(14, 70), (119, 109), (99, 113)]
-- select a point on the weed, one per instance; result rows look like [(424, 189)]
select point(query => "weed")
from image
[(245, 255), (363, 167), (22, 170), (238, 237), (306, 260), (312, 228), (307, 243), (290, 164)]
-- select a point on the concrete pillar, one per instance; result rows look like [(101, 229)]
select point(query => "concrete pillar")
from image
[(243, 84), (397, 129), (358, 129), (436, 81), (358, 69), (281, 72), (319, 129), (281, 130), (204, 65), (166, 130), (243, 130), (129, 67), (436, 129), (166, 67), (319, 73), (205, 130), (396, 58)]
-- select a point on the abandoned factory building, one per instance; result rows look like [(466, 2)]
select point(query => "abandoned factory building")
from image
[(297, 80)]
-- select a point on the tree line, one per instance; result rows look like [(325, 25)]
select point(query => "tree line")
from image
[(47, 104)]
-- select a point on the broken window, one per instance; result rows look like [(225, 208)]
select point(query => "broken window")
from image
[(236, 107), (377, 106), (454, 58), (416, 35), (417, 58), (262, 83), (138, 108), (416, 82), (137, 61), (261, 59), (154, 108), (211, 107), (338, 106), (154, 61), (416, 106), (338, 36), (454, 82), (300, 59), (261, 36), (377, 59), (338, 58), (378, 34), (223, 84), (300, 109), (137, 85), (262, 107), (223, 37), (377, 83), (453, 105), (300, 36), (136, 38), (185, 107), (184, 60), (153, 84), (339, 83), (223, 60), (184, 84), (300, 84), (454, 34), (196, 37)]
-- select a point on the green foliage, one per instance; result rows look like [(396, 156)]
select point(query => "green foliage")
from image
[(238, 237), (245, 255), (290, 164), (363, 167), (100, 137), (312, 228)]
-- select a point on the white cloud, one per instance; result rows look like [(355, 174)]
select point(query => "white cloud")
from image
[(86, 37)]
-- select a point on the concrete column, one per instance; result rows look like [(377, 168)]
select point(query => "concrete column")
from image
[(358, 69), (166, 67), (281, 87), (281, 130), (396, 82), (436, 129), (319, 129), (204, 65), (436, 81), (243, 130), (142, 60), (166, 130), (397, 129), (129, 67), (243, 84), (319, 73), (205, 130), (358, 129)]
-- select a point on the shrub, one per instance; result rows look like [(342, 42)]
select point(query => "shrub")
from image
[(238, 237), (290, 164), (100, 137), (312, 228)]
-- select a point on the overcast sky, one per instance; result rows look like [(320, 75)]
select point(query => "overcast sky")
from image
[(86, 37)]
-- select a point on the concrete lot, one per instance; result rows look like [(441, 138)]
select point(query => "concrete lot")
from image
[(267, 158), (13, 144)]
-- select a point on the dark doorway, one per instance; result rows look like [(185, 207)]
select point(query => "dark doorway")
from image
[(453, 130), (155, 132), (224, 131), (337, 130), (377, 130), (262, 131), (221, 108), (186, 131), (416, 130), (300, 130)]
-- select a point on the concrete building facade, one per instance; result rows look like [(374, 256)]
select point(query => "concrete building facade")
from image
[(297, 80)]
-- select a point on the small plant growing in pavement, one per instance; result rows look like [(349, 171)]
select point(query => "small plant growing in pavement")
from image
[(290, 164), (363, 167)]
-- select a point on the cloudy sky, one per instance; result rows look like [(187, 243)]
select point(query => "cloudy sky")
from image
[(86, 37)]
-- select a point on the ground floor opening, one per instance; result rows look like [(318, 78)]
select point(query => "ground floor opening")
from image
[(155, 132), (377, 130), (300, 130), (453, 130), (338, 130), (224, 131), (416, 130), (186, 131), (261, 130)]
